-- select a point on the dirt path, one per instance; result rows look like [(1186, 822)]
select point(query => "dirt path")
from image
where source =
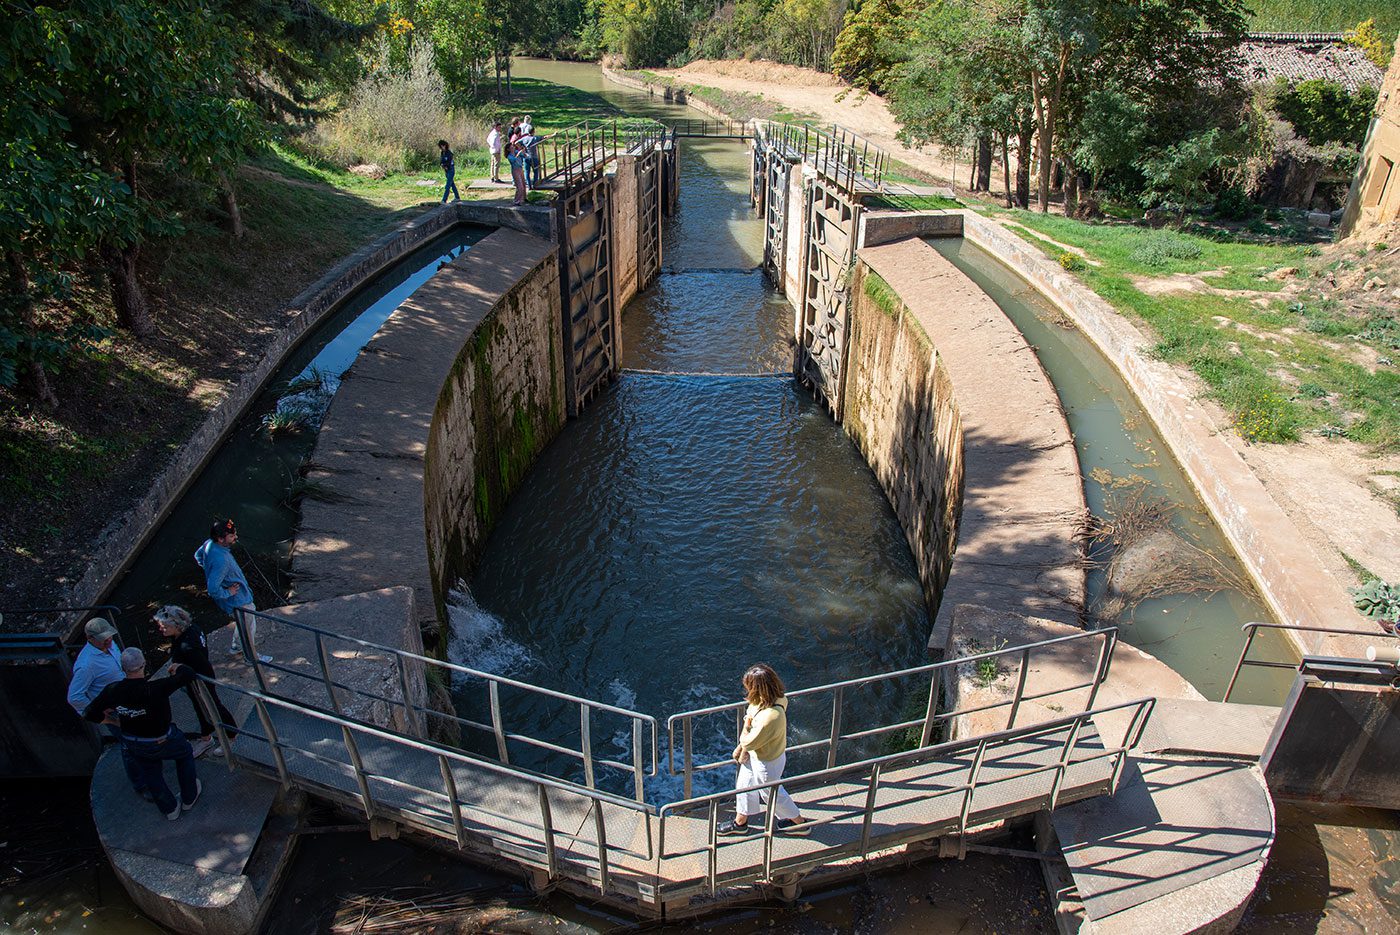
[(831, 100)]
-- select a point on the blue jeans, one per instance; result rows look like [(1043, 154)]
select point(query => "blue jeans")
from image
[(150, 756), (451, 186), (532, 171), (138, 781)]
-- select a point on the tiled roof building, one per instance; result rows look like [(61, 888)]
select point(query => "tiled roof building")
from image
[(1298, 57)]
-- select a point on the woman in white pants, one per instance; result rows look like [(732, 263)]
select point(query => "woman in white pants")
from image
[(761, 755)]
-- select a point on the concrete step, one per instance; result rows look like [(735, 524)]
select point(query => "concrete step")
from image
[(1178, 848), (1180, 725)]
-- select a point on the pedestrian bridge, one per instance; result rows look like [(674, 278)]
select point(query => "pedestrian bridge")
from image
[(596, 825)]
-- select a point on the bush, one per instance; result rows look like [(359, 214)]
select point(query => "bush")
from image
[(1267, 418), (1071, 262), (1378, 600), (394, 119), (1161, 248), (1233, 204)]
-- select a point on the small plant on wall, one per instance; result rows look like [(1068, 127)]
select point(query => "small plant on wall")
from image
[(1379, 601)]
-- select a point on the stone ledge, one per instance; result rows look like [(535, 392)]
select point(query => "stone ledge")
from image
[(1288, 575), (882, 227)]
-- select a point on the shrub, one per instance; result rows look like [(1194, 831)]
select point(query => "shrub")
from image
[(1267, 418), (1378, 600), (1233, 204), (1312, 391), (1071, 261), (1161, 248), (394, 119)]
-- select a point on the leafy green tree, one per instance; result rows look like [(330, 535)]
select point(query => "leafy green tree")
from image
[(644, 33), (1179, 173), (1110, 134), (1325, 112), (871, 44)]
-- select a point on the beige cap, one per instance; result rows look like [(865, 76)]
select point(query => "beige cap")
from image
[(99, 628)]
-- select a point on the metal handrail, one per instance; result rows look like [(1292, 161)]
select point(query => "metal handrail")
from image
[(1252, 628), (870, 771), (932, 717), (445, 757), (844, 158), (495, 729)]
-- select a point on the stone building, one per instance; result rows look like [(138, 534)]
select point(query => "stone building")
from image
[(1375, 191)]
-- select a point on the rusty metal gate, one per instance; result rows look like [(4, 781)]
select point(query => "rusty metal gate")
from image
[(758, 174), (831, 222), (775, 219), (649, 172), (592, 332)]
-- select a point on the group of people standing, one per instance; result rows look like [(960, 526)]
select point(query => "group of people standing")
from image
[(110, 685), (520, 147)]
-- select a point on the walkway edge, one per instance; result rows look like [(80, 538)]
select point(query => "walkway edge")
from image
[(1287, 573)]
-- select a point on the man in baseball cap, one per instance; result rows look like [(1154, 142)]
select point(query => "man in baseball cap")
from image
[(98, 665)]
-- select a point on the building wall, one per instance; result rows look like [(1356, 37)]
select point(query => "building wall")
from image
[(1375, 191)]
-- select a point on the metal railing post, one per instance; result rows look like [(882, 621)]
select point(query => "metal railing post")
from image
[(1020, 688), (638, 768), (972, 775), (551, 859), (212, 713), (270, 733), (1110, 642), (869, 817), (687, 762), (325, 662), (585, 728), (358, 765), (934, 681), (601, 827), (712, 836), (411, 716), (1065, 756), (836, 704), (449, 783), (250, 652), (493, 692), (1244, 653)]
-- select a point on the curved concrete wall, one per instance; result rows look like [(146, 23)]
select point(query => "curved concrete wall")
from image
[(433, 428)]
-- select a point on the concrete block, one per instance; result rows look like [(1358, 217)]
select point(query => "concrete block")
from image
[(882, 227)]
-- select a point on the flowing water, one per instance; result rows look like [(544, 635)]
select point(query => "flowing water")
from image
[(703, 513)]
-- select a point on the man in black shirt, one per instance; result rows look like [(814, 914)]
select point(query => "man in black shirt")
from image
[(141, 709), (191, 649)]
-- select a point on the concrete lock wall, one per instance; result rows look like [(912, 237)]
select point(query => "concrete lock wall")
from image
[(624, 205), (900, 410), (433, 427)]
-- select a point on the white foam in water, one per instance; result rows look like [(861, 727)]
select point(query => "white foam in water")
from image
[(622, 694), (478, 639)]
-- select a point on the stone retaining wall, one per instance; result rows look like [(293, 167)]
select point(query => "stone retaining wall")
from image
[(1284, 569), (674, 94), (902, 415), (434, 426)]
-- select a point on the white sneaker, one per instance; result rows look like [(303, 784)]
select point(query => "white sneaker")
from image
[(198, 788), (264, 659), (201, 746), (175, 815), (217, 751)]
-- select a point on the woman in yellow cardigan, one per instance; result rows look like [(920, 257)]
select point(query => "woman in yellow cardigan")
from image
[(762, 754)]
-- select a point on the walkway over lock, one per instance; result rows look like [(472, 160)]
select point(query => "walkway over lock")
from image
[(657, 860)]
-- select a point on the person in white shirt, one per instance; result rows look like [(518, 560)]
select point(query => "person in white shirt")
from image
[(527, 126), (98, 665), (495, 144)]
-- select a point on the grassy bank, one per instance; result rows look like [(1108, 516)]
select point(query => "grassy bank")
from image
[(1323, 15), (1255, 321), (737, 104)]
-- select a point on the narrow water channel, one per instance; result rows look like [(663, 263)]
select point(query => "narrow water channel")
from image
[(1124, 461)]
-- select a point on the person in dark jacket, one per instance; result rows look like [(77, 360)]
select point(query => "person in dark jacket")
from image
[(191, 649), (449, 168), (141, 709)]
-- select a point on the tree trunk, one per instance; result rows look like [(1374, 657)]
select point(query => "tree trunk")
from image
[(35, 375), (233, 218), (984, 164), (1071, 182), (1023, 164), (133, 312), (1006, 167)]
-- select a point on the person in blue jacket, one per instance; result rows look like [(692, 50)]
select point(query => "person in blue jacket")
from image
[(225, 580), (449, 168)]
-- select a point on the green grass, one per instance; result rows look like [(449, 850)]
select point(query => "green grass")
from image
[(913, 202), (1323, 15), (1241, 367), (555, 106)]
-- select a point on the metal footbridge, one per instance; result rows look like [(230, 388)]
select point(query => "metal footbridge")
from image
[(590, 817)]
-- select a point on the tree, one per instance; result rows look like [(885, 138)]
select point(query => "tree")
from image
[(645, 33), (871, 44), (1179, 173)]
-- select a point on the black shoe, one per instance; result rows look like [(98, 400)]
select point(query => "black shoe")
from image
[(734, 829), (795, 826)]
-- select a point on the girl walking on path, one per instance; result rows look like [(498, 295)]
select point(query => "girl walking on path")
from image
[(449, 168), (762, 754)]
